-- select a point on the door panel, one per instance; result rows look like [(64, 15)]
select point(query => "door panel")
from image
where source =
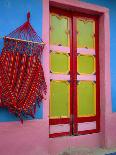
[(86, 98), (59, 75), (87, 88), (59, 68), (74, 74), (86, 64), (59, 27), (85, 31), (59, 99)]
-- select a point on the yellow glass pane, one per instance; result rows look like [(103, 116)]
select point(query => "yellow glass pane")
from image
[(59, 99), (86, 64), (59, 30), (86, 31), (86, 97), (59, 63)]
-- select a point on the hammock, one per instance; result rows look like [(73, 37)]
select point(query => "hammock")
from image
[(24, 40), (22, 79)]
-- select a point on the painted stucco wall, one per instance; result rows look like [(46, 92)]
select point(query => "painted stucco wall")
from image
[(12, 15), (111, 4), (31, 138)]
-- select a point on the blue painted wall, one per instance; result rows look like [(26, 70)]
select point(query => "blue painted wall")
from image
[(12, 15), (111, 4)]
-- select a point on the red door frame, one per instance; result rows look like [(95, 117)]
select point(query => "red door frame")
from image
[(73, 120)]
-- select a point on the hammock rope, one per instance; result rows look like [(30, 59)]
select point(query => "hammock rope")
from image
[(22, 82)]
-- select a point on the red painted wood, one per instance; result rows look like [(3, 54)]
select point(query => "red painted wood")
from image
[(59, 121), (81, 12), (71, 77), (59, 134), (60, 11), (74, 74), (97, 75), (73, 121), (86, 119), (87, 132), (67, 120), (97, 117)]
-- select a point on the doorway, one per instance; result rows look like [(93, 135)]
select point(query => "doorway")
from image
[(74, 73)]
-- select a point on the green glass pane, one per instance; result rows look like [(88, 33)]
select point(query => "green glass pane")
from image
[(59, 30), (85, 35), (86, 98), (59, 99), (59, 63), (85, 64)]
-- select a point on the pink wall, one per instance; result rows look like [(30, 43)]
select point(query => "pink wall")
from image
[(58, 145), (111, 131), (31, 138)]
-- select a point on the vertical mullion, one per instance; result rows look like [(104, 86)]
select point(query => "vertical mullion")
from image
[(71, 76), (97, 75), (74, 75)]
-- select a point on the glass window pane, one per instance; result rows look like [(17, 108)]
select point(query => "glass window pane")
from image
[(86, 64), (59, 30), (59, 63), (86, 98), (59, 99), (86, 31)]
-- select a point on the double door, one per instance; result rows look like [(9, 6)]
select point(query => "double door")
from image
[(74, 74)]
